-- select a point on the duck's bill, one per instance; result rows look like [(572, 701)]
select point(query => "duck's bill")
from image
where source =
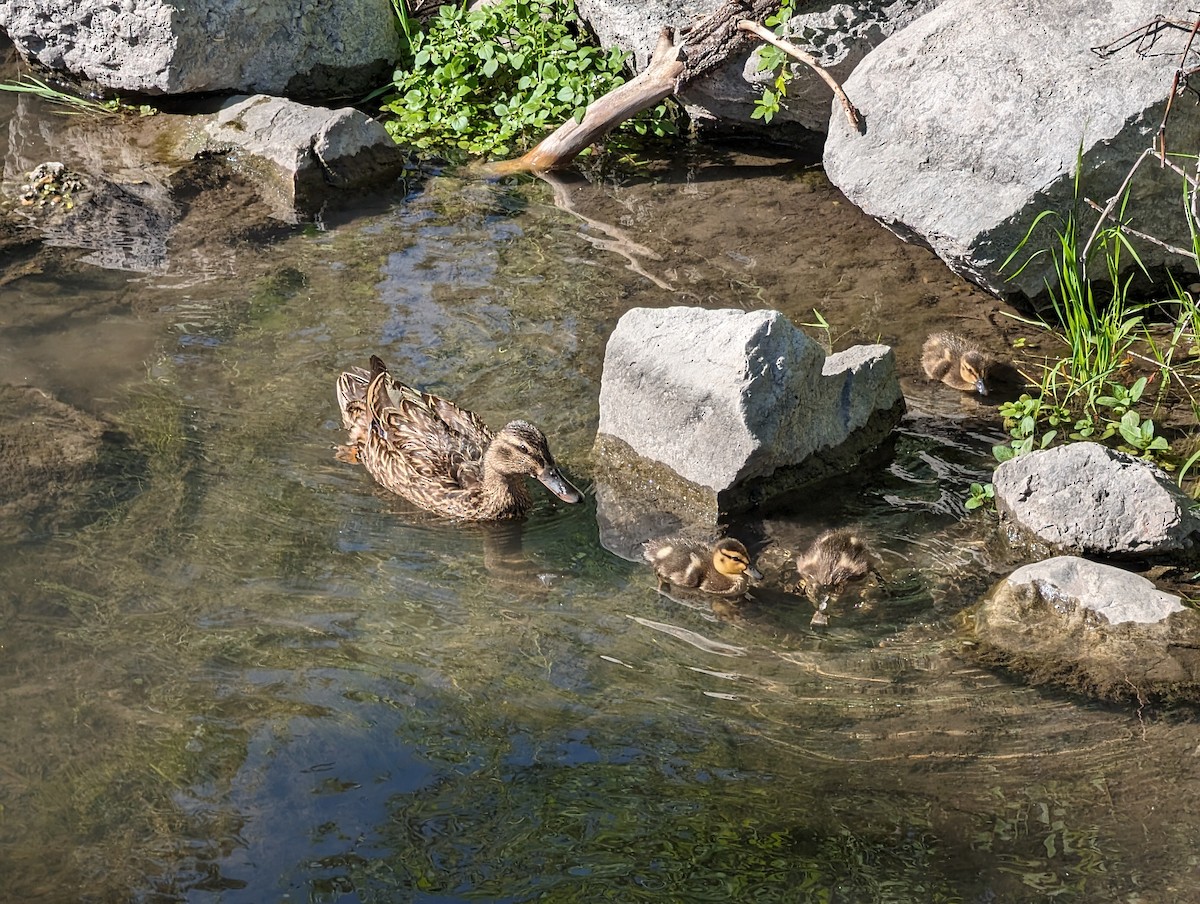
[(981, 387), (754, 572), (552, 479)]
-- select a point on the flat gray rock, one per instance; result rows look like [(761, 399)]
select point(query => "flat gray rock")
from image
[(1085, 497)]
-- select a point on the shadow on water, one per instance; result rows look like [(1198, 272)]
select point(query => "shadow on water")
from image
[(253, 675)]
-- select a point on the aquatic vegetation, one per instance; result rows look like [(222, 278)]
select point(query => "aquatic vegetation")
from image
[(980, 495), (72, 104), (495, 80)]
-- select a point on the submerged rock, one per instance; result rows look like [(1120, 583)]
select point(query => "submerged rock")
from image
[(1087, 498), (976, 115), (51, 455), (707, 412), (1091, 628), (165, 47)]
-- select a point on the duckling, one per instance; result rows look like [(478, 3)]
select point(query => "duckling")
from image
[(439, 456), (957, 362), (722, 568), (835, 559)]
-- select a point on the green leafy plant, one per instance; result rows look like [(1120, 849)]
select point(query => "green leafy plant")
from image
[(1035, 423), (1088, 394), (981, 494), (772, 59), (495, 80)]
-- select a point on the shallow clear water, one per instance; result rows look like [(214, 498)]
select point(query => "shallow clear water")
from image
[(233, 669)]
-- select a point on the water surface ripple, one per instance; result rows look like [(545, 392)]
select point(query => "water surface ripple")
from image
[(256, 676)]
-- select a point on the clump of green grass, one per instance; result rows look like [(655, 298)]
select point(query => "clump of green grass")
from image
[(1114, 352)]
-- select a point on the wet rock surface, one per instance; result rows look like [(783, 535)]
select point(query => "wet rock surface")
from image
[(1087, 498), (1091, 628), (306, 152), (728, 409)]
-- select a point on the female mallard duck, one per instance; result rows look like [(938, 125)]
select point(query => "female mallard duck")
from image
[(835, 559), (722, 568), (956, 362), (439, 456)]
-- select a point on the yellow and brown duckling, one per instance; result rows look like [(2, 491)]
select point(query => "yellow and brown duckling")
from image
[(723, 568), (957, 362), (835, 559), (439, 456)]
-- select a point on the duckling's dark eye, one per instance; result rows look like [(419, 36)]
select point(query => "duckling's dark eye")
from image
[(524, 448)]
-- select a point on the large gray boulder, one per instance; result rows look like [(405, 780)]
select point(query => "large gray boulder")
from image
[(165, 47), (1092, 628), (1087, 498), (706, 412), (839, 35), (975, 115)]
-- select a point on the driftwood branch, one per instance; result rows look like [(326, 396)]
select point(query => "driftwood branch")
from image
[(658, 81), (792, 50), (707, 44)]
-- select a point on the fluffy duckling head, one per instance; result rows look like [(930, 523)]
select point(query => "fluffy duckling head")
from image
[(835, 559), (972, 369), (731, 558), (521, 448), (722, 568)]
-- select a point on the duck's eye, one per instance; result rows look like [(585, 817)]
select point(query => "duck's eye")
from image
[(524, 448)]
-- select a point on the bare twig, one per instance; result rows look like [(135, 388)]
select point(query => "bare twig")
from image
[(792, 50), (1145, 36), (1106, 212), (1142, 235), (1181, 74)]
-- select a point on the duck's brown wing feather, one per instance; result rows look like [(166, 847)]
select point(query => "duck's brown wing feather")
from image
[(433, 444)]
